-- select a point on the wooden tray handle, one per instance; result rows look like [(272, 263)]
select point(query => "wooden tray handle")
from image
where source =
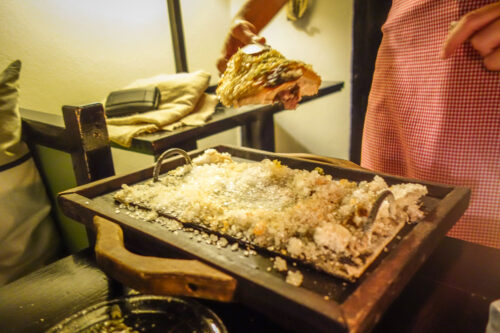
[(318, 158), (160, 276)]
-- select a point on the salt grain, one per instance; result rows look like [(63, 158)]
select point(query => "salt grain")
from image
[(280, 264), (294, 278), (222, 242)]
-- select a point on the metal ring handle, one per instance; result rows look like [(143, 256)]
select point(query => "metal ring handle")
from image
[(167, 153), (375, 209)]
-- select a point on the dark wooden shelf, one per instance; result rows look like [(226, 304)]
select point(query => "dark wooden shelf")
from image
[(256, 122)]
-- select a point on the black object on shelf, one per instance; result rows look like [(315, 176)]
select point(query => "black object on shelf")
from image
[(129, 101)]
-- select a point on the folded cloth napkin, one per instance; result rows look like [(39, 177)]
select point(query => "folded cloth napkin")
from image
[(183, 102)]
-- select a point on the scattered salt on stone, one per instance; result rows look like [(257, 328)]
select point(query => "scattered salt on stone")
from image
[(151, 216), (222, 242), (280, 264), (294, 278)]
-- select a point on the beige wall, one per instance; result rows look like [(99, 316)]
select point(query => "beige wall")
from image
[(75, 52)]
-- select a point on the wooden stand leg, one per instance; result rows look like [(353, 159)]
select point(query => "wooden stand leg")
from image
[(259, 134), (91, 153)]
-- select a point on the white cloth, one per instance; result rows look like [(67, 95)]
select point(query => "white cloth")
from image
[(27, 233), (494, 318)]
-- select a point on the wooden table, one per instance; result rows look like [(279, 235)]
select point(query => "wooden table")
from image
[(450, 293), (256, 121)]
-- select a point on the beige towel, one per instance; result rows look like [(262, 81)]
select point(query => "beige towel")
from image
[(182, 103)]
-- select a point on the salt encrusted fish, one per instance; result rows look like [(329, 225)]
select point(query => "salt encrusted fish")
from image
[(299, 214)]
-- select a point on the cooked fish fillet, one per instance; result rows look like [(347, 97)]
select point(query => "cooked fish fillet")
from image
[(266, 78)]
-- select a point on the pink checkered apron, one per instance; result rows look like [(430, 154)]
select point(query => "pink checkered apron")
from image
[(433, 119)]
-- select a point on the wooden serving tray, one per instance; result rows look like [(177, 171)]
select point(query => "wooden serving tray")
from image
[(322, 302)]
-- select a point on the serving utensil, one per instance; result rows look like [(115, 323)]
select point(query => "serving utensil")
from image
[(255, 47)]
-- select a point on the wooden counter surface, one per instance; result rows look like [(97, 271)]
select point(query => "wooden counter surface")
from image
[(450, 293)]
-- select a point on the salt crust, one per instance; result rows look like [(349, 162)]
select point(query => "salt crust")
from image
[(297, 213)]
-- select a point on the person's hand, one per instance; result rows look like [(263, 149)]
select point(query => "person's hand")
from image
[(242, 33), (482, 28)]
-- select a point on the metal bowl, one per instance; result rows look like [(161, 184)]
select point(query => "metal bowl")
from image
[(143, 313)]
